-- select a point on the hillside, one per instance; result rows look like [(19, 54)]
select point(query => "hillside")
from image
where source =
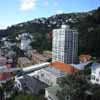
[(87, 24)]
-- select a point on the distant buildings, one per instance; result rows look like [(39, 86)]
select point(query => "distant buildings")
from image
[(5, 76), (8, 43), (84, 58), (25, 40), (38, 58), (65, 45), (47, 54), (3, 60), (23, 62)]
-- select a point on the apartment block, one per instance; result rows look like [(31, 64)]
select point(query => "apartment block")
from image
[(65, 45)]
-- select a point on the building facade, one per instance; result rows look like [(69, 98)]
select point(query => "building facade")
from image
[(38, 58), (65, 45)]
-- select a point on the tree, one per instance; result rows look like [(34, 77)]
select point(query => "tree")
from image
[(6, 89), (76, 87), (71, 86), (89, 36), (23, 96)]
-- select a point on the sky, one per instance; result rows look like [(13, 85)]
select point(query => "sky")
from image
[(17, 11)]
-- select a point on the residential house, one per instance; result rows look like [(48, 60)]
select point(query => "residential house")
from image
[(23, 62), (5, 76), (3, 60), (30, 84), (84, 58), (38, 58), (95, 73)]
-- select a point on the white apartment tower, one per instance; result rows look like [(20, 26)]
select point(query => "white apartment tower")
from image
[(65, 45)]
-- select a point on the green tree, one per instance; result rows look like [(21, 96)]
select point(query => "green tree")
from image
[(7, 88), (77, 87), (23, 96)]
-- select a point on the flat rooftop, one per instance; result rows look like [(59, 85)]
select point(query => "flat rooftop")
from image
[(55, 72)]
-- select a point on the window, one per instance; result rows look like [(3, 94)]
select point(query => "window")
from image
[(50, 98), (93, 77), (97, 79), (42, 75), (67, 98)]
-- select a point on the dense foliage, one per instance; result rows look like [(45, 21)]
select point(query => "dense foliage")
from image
[(78, 87), (89, 37), (7, 89), (23, 96)]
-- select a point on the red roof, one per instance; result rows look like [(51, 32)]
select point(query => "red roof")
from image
[(64, 67), (5, 76), (8, 65), (85, 57)]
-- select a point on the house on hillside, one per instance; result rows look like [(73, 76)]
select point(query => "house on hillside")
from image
[(25, 40), (85, 58), (38, 58)]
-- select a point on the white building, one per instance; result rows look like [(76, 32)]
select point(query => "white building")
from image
[(65, 45), (51, 92), (95, 73), (54, 71), (25, 39), (49, 75)]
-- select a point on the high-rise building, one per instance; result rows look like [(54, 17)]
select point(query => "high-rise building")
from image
[(65, 45)]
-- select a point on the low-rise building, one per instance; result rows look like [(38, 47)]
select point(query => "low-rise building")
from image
[(95, 73), (84, 58), (5, 76), (38, 58), (56, 69), (30, 84), (47, 54), (3, 60), (49, 75), (23, 62)]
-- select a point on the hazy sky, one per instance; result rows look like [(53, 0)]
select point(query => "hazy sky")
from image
[(17, 11)]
